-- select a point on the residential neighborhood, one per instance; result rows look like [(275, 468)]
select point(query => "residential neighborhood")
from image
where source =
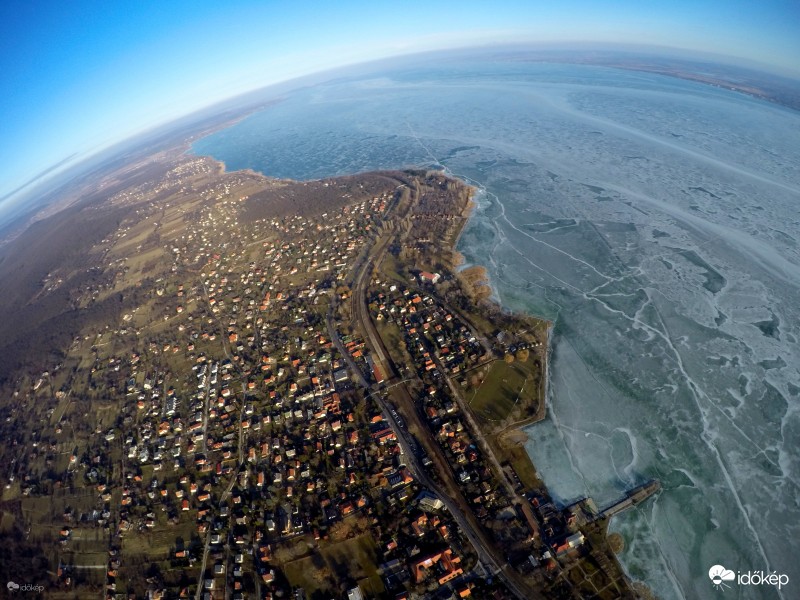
[(271, 403)]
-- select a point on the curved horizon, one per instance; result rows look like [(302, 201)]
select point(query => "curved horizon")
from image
[(82, 78), (76, 159)]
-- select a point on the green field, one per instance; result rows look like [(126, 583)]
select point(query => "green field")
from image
[(158, 544), (390, 268), (391, 335), (509, 450), (6, 522), (507, 394), (504, 388)]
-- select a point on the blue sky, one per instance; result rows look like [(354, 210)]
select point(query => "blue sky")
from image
[(77, 76)]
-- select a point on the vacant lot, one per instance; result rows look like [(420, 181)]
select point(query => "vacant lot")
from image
[(352, 559), (509, 447), (504, 388)]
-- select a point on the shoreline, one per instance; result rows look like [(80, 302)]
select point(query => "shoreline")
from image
[(515, 434), (434, 230), (495, 301)]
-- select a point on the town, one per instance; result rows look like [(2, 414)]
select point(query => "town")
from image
[(286, 391)]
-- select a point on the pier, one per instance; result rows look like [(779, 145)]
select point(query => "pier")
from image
[(633, 497), (585, 510)]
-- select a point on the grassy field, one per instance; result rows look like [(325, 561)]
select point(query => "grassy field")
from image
[(354, 558), (504, 388), (507, 394), (87, 559), (510, 448), (391, 335), (58, 413), (390, 268), (6, 522)]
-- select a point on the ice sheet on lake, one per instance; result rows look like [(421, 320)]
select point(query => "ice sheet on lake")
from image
[(657, 221)]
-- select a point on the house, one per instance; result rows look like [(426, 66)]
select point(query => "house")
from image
[(426, 277), (429, 502), (447, 563), (575, 540), (355, 594)]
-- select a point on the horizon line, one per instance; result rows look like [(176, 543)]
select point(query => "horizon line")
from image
[(63, 165)]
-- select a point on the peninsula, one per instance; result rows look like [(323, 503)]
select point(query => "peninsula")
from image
[(222, 385)]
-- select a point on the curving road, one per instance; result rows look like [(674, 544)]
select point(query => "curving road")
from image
[(448, 491)]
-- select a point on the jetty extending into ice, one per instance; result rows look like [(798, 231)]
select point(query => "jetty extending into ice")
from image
[(586, 511)]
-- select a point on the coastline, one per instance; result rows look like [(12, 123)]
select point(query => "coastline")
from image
[(495, 303), (560, 371), (516, 434), (449, 218)]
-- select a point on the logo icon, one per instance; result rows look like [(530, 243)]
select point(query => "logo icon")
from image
[(12, 586), (719, 575)]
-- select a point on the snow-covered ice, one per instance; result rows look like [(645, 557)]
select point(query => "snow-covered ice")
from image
[(657, 221)]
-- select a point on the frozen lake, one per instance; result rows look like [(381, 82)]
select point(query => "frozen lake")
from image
[(657, 221)]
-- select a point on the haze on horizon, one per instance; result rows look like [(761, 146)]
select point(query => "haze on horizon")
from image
[(80, 77)]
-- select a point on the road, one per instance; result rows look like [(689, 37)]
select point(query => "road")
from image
[(412, 459), (485, 447), (448, 491), (240, 450), (207, 545)]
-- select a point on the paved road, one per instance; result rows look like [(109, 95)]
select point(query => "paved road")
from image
[(207, 544), (412, 460), (487, 450), (234, 473), (450, 495)]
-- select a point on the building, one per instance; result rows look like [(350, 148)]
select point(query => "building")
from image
[(426, 277), (429, 502), (446, 561), (355, 594)]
